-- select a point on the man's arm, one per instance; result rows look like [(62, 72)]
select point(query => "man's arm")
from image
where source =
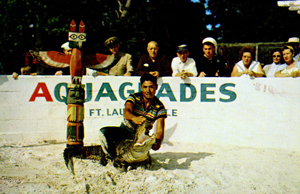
[(129, 116), (166, 67), (129, 67), (260, 72), (160, 131), (235, 72), (174, 66)]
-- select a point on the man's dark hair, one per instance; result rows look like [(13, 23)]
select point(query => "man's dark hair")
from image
[(148, 77)]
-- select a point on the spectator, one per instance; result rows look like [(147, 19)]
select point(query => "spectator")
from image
[(68, 51), (122, 64), (66, 48), (271, 69), (182, 65), (24, 71), (154, 64), (62, 71), (247, 67), (292, 67), (211, 64), (294, 42)]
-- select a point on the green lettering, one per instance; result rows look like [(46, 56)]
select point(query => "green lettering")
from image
[(115, 112), (174, 112), (89, 90), (91, 112), (205, 92), (183, 97), (169, 91), (231, 94), (57, 92), (98, 110), (122, 88), (109, 93)]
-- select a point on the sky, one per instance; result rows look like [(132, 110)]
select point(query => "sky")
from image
[(209, 26)]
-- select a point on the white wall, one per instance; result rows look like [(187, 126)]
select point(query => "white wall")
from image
[(261, 112)]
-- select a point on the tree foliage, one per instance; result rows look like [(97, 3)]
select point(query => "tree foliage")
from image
[(44, 25), (252, 21)]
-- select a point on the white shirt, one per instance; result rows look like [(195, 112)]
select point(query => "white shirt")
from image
[(91, 72), (289, 71), (189, 66), (253, 67), (271, 69)]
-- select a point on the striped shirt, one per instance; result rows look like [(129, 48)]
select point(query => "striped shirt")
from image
[(154, 111)]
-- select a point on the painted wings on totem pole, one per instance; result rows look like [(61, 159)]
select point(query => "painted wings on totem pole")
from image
[(57, 59)]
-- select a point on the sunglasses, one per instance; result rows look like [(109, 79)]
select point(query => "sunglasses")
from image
[(276, 56)]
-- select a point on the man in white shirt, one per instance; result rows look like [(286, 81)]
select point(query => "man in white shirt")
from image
[(182, 66)]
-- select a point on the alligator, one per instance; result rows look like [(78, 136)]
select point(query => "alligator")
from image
[(129, 153)]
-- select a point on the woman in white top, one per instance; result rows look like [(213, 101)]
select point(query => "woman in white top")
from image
[(271, 69), (247, 67), (292, 68)]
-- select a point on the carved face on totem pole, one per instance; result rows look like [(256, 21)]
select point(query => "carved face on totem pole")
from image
[(76, 95)]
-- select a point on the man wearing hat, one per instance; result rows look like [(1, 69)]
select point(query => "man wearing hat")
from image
[(68, 51), (121, 66), (66, 48), (295, 43), (210, 64), (182, 65)]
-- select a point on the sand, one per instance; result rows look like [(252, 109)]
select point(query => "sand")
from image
[(177, 168)]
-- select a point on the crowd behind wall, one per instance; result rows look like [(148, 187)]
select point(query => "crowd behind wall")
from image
[(230, 51)]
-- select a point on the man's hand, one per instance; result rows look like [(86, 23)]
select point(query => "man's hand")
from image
[(157, 144), (58, 73), (154, 73), (139, 120), (217, 73), (251, 73), (15, 75), (160, 130), (295, 74), (183, 74), (202, 74)]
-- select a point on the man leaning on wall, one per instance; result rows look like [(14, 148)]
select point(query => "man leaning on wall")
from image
[(122, 64), (210, 64), (153, 63)]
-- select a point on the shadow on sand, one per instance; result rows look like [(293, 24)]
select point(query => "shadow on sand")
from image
[(173, 160)]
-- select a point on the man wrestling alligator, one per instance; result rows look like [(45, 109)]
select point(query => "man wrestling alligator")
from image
[(141, 111)]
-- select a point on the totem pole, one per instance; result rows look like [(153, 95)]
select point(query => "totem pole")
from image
[(128, 152), (76, 94), (75, 101)]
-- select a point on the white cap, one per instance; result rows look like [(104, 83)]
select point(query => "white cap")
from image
[(65, 46), (294, 39), (211, 40)]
